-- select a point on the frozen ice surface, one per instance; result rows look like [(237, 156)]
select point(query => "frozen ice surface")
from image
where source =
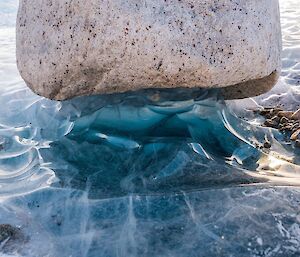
[(150, 173), (236, 221)]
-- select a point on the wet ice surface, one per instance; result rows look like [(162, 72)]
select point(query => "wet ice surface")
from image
[(148, 173)]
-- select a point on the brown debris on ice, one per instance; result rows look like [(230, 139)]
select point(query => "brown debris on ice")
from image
[(285, 121)]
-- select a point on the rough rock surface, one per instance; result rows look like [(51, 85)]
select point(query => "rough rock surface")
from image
[(70, 48)]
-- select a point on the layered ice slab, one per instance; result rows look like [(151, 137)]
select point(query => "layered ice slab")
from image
[(70, 48)]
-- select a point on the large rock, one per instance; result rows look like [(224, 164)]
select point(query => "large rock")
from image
[(70, 48)]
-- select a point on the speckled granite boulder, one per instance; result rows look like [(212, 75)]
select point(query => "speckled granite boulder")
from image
[(70, 48)]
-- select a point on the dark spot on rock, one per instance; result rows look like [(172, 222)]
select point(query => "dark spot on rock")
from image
[(159, 65)]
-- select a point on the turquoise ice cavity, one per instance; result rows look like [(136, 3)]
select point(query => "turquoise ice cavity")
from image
[(157, 141)]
